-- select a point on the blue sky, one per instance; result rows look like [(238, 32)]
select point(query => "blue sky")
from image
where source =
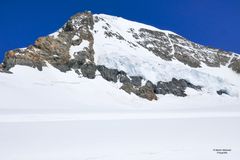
[(213, 23)]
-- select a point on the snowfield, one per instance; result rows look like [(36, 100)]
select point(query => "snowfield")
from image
[(170, 139), (51, 115)]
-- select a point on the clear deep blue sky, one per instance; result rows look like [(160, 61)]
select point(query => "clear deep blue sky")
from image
[(213, 23)]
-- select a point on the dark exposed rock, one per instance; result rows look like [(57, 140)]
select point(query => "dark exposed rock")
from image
[(178, 92), (81, 24), (75, 64), (222, 91), (57, 52), (175, 87), (105, 27), (162, 88), (223, 57), (128, 87), (235, 64), (136, 80), (160, 91), (210, 59), (146, 92), (150, 85), (84, 20), (113, 74), (176, 39), (62, 67), (123, 78), (190, 85), (192, 54), (9, 60), (5, 71), (108, 74), (182, 83), (53, 46), (31, 60), (134, 34), (1, 68), (64, 37), (68, 27), (23, 57), (185, 56), (112, 34), (81, 56), (210, 56), (77, 71), (157, 42), (88, 70), (76, 42)]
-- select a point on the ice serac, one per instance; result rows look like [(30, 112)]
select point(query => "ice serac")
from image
[(146, 61)]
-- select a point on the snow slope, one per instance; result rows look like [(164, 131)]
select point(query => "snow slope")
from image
[(54, 89), (48, 115), (119, 54)]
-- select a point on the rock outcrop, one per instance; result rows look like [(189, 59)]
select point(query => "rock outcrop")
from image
[(171, 46), (235, 64), (55, 49), (88, 70), (175, 87), (145, 91), (157, 42), (150, 90), (222, 91), (108, 74)]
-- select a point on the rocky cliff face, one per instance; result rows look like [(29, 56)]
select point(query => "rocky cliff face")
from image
[(170, 46), (72, 48), (55, 50)]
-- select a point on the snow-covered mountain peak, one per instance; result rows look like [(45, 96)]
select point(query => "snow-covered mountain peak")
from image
[(138, 58), (126, 24), (105, 88)]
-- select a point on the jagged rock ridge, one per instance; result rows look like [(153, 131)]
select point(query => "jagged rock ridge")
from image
[(72, 48)]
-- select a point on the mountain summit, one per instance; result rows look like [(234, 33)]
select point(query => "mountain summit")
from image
[(135, 58)]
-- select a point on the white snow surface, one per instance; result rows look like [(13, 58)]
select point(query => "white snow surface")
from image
[(69, 90), (119, 54), (54, 115)]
